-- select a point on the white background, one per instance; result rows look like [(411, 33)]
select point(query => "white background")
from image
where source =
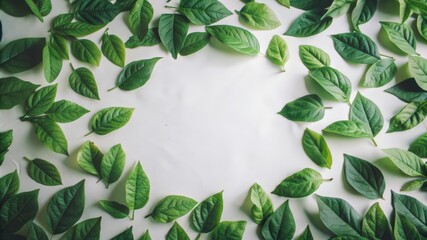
[(207, 122)]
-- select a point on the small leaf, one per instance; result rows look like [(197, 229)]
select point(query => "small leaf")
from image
[(237, 38), (64, 111), (334, 82), (308, 108), (194, 42), (409, 116), (89, 158), (356, 47), (277, 51), (259, 16), (137, 188), (316, 148), (286, 3), (18, 210), (110, 119), (22, 54), (151, 38), (419, 146), (177, 233), (229, 230), (348, 129), (375, 224), (309, 23), (262, 206), (136, 74), (207, 214), (366, 112), (44, 172), (280, 224), (62, 19), (146, 236), (171, 208), (112, 164), (87, 229), (412, 209), (14, 91), (115, 209), (408, 91), (41, 100), (203, 12), (380, 73), (400, 35), (50, 134), (83, 82), (139, 18), (113, 49), (418, 69), (52, 63), (9, 186), (86, 51), (173, 30), (406, 161), (313, 57)]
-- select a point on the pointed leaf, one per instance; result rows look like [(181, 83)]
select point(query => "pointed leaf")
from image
[(50, 134), (83, 82), (110, 119), (173, 30), (115, 209), (136, 74), (262, 206), (44, 172), (171, 208), (207, 214), (356, 47), (203, 12), (137, 188), (113, 49), (313, 57), (334, 82), (237, 38), (280, 224), (316, 148), (309, 23)]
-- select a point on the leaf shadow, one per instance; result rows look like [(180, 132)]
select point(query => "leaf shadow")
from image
[(391, 8), (387, 166), (402, 73), (118, 189), (419, 39), (385, 42), (315, 88), (314, 218), (347, 186), (362, 79)]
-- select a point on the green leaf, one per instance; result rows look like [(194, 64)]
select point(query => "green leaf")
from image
[(306, 235), (366, 112), (262, 206), (36, 233), (334, 82), (310, 4), (94, 11), (136, 74), (173, 30), (113, 49), (76, 29), (50, 134), (137, 188), (112, 164), (418, 6), (364, 177), (16, 8), (300, 184), (419, 146), (125, 5), (9, 186), (65, 208), (339, 216), (44, 172), (229, 230), (408, 91), (236, 38), (375, 224), (125, 235), (404, 229), (194, 42), (203, 12), (177, 233), (277, 51), (110, 119), (64, 111), (207, 214), (86, 51), (338, 8), (139, 18), (14, 91), (418, 69), (87, 229), (412, 209), (52, 63), (309, 23), (409, 116), (406, 161), (286, 3), (404, 11), (145, 236), (6, 139), (380, 73), (259, 16), (356, 47), (313, 57), (151, 38), (115, 209), (62, 19), (348, 129), (308, 108), (171, 208), (83, 82), (363, 12), (40, 8), (280, 224), (89, 158), (412, 185), (316, 148), (18, 210), (422, 26), (60, 44), (41, 100), (400, 35), (22, 54)]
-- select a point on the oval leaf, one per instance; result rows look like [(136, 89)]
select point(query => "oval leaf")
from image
[(309, 23), (173, 30), (83, 82), (356, 47), (308, 108), (44, 172), (313, 57), (380, 73), (115, 209), (237, 38), (136, 74), (207, 215), (316, 148), (110, 119), (203, 12), (112, 164), (259, 16), (299, 184), (334, 82), (171, 208)]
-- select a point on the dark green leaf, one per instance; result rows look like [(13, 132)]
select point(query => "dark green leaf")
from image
[(300, 184), (16, 8), (112, 164), (316, 148), (52, 63), (86, 51), (6, 139), (171, 208), (308, 108), (64, 111), (113, 49), (9, 186), (412, 209), (36, 233), (262, 206), (419, 146), (375, 224), (207, 215), (313, 57), (22, 54), (338, 8), (41, 100), (380, 73), (18, 210), (76, 29), (139, 18), (83, 82), (60, 44), (404, 229), (89, 229), (406, 161), (95, 11), (237, 38), (277, 51), (65, 208), (177, 233), (14, 91), (339, 216), (280, 224), (125, 5), (363, 12), (259, 16), (400, 35), (229, 230), (334, 82), (110, 119), (364, 177), (422, 26), (418, 69), (356, 47), (145, 236), (306, 235), (62, 19), (51, 135), (125, 235), (408, 91), (151, 38), (365, 111), (348, 129), (89, 158), (40, 8), (310, 4), (203, 12), (194, 42), (137, 188), (309, 23), (44, 172), (409, 116), (115, 209), (136, 74), (173, 30)]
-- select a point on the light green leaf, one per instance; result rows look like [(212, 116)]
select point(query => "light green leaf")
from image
[(409, 116), (380, 73), (259, 16), (404, 229), (85, 230), (419, 146), (89, 158), (308, 108), (86, 51), (136, 74), (418, 69), (334, 82), (422, 26), (237, 38), (277, 51), (316, 148), (203, 12), (366, 112), (177, 233), (110, 119), (409, 163), (194, 42), (414, 210), (400, 35), (83, 82), (363, 12), (52, 63), (348, 129), (113, 49), (375, 224), (64, 111), (44, 172), (412, 185), (229, 230), (171, 208), (262, 206), (338, 8), (313, 57), (137, 188), (112, 164)]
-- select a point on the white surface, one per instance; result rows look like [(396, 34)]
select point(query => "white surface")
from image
[(207, 122)]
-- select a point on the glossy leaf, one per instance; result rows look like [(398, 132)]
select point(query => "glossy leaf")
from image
[(418, 69), (115, 209), (171, 208), (348, 129), (300, 184), (309, 23), (36, 233), (76, 29), (338, 8), (86, 51), (136, 74), (112, 164), (334, 82), (339, 216), (316, 148), (173, 30), (406, 161), (409, 116), (408, 91), (262, 206), (375, 224), (50, 134), (140, 17), (203, 12), (380, 73), (259, 16), (41, 100), (113, 49), (400, 35), (313, 57), (9, 186), (363, 12), (18, 210), (229, 230), (110, 119), (137, 188), (125, 235), (277, 51), (14, 91), (356, 47), (87, 229), (52, 63), (89, 158), (419, 146), (414, 210), (177, 233), (65, 208), (95, 11), (236, 38), (194, 42), (364, 177), (6, 139), (64, 111), (366, 112), (22, 54), (83, 82), (207, 214), (280, 224), (44, 172), (308, 108)]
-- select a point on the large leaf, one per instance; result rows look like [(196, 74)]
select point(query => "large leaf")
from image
[(409, 163), (18, 210), (112, 164), (113, 49), (173, 30), (338, 8), (316, 148), (412, 209), (40, 8), (262, 206), (334, 82), (308, 108), (95, 11), (171, 208), (203, 12), (418, 69), (366, 112), (309, 23), (137, 188), (50, 134), (76, 29), (237, 38), (280, 224), (408, 91), (136, 74), (64, 111), (409, 116), (229, 230), (375, 224), (41, 100), (401, 35), (44, 172), (380, 73), (356, 47), (85, 230), (313, 57), (110, 119), (259, 16), (140, 17), (207, 214), (22, 54)]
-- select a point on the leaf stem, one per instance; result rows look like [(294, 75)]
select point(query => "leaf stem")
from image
[(374, 142), (167, 6), (27, 159), (72, 67), (262, 54), (133, 214), (87, 134), (283, 68), (198, 236), (327, 107), (328, 180), (387, 56), (149, 215), (111, 89)]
